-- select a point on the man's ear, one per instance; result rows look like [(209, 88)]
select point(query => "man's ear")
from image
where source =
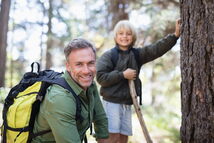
[(67, 66)]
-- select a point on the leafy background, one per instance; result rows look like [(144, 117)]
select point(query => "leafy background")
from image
[(39, 30)]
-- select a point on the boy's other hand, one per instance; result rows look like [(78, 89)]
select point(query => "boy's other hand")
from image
[(129, 74)]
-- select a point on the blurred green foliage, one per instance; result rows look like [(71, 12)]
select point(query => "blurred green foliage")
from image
[(3, 93), (92, 20)]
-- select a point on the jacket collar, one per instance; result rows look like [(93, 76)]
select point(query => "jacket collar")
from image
[(77, 89), (119, 50)]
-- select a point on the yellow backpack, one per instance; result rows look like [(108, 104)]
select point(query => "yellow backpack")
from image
[(23, 101)]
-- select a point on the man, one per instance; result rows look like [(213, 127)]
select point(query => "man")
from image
[(58, 110)]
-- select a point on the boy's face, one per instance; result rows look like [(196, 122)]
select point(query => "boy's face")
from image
[(81, 66), (124, 38)]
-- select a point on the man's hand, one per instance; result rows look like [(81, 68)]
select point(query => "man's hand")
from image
[(177, 27), (130, 74)]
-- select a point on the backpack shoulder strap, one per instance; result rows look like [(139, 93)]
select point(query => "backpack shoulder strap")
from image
[(114, 56), (63, 83), (137, 56), (137, 59)]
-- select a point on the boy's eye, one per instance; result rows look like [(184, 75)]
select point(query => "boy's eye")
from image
[(125, 33)]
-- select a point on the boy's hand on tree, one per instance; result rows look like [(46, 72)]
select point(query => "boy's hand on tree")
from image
[(177, 27), (130, 74)]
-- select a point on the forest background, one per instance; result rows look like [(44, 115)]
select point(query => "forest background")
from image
[(39, 29)]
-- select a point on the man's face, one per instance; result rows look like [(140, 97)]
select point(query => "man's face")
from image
[(81, 66)]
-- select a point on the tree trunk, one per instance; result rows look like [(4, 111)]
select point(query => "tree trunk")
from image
[(118, 11), (50, 37), (4, 18), (197, 71)]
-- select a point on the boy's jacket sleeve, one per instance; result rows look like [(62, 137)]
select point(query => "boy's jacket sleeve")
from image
[(159, 48)]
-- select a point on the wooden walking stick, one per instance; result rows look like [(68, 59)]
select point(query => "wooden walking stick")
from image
[(138, 111)]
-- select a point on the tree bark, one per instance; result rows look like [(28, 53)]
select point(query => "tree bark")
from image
[(4, 18), (197, 71)]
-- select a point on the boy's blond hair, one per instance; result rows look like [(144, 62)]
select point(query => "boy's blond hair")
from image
[(126, 25)]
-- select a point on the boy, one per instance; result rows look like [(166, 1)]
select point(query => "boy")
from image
[(113, 77)]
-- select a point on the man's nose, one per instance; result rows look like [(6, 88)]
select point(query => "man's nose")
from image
[(85, 69)]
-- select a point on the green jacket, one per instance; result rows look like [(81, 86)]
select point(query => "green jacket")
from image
[(114, 87), (58, 110)]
